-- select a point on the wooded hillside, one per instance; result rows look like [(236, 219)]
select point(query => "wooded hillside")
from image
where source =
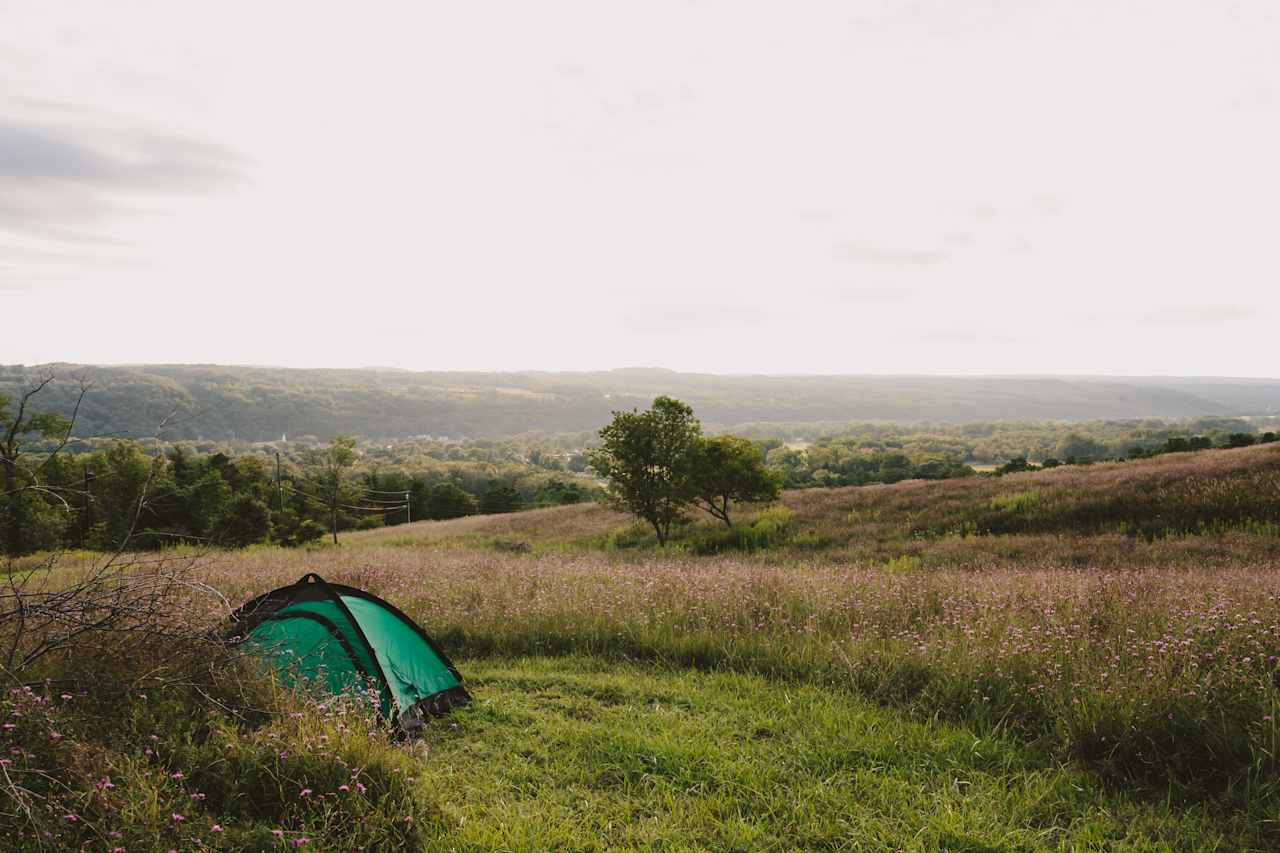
[(262, 403)]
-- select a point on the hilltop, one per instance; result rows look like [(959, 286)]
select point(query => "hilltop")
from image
[(1157, 510), (263, 403)]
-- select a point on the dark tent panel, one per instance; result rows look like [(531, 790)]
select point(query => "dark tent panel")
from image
[(344, 639)]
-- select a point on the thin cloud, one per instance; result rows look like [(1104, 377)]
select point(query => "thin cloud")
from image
[(403, 331), (1208, 315), (62, 179), (965, 336), (868, 252), (871, 294), (125, 157)]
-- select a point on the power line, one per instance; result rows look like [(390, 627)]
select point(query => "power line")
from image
[(330, 504)]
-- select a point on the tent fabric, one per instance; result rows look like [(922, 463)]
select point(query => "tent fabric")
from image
[(342, 639)]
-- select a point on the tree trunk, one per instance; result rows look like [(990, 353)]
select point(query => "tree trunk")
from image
[(9, 523), (662, 536), (724, 515)]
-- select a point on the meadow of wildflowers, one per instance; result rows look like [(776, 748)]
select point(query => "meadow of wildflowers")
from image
[(1122, 619), (1151, 673)]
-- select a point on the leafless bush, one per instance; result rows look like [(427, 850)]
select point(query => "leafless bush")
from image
[(51, 612)]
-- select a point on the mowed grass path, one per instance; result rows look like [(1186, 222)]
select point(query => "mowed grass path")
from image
[(575, 753)]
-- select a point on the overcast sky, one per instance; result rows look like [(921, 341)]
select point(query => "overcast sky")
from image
[(856, 186)]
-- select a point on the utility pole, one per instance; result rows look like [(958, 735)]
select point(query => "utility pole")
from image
[(408, 509), (279, 485), (84, 508), (335, 514)]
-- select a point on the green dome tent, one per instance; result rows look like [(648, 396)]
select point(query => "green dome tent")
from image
[(342, 639)]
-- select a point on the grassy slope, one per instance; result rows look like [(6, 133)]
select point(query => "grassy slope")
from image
[(1119, 514), (819, 672), (575, 753)]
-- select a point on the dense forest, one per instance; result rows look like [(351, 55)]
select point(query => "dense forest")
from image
[(132, 493), (262, 404)]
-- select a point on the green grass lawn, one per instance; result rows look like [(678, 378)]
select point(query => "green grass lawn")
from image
[(579, 754)]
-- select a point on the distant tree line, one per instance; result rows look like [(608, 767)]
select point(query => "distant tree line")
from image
[(982, 443), (848, 462), (124, 493), (1088, 453), (102, 493), (121, 495), (261, 404)]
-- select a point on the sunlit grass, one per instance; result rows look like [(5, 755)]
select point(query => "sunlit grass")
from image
[(877, 667)]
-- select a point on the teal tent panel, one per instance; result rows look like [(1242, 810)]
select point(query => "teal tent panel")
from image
[(332, 611), (304, 650), (412, 668)]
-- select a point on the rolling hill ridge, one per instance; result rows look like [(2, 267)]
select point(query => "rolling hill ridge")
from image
[(262, 403)]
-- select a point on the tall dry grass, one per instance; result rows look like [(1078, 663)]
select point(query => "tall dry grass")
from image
[(1149, 674)]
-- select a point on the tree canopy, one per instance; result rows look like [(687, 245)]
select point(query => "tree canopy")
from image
[(727, 469), (658, 464), (647, 458)]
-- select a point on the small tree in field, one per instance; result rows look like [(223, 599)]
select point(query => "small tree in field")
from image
[(729, 468), (328, 467), (648, 457)]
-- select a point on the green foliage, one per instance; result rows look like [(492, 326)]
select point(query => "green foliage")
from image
[(849, 461), (1079, 447), (217, 761), (498, 498), (245, 520), (1016, 465), (328, 469), (904, 564), (770, 529), (728, 468), (561, 493), (1015, 501), (154, 495), (564, 754), (647, 458), (448, 500), (24, 522), (1241, 439)]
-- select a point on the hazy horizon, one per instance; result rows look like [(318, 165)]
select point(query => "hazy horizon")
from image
[(881, 374), (867, 188)]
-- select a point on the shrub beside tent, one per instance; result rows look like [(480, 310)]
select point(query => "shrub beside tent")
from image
[(341, 639)]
